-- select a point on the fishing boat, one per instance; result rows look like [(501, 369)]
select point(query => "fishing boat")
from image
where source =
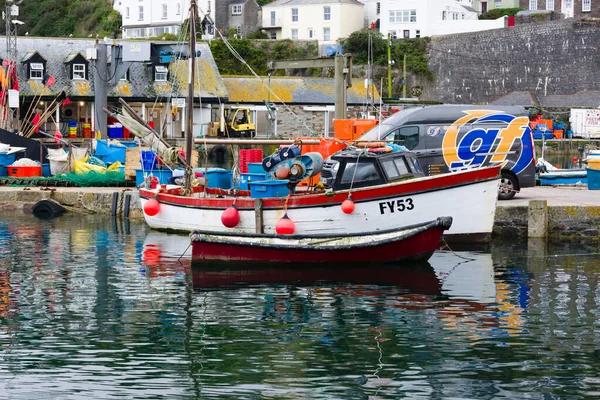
[(414, 242), (379, 187)]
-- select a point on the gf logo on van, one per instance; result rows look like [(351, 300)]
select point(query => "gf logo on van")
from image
[(399, 205), (495, 142)]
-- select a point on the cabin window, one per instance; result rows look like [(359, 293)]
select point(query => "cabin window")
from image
[(78, 72), (160, 73), (406, 136), (395, 168), (36, 71), (365, 172)]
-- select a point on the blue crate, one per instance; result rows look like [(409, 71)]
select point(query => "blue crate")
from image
[(163, 175), (245, 179), (7, 159), (218, 179), (3, 171), (274, 188), (256, 168), (593, 178), (115, 132)]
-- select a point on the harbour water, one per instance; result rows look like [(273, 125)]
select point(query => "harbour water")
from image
[(100, 309)]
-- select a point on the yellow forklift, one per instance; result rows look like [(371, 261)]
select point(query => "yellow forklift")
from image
[(239, 123)]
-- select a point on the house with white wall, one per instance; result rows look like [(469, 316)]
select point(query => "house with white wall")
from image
[(372, 13), (150, 18), (419, 18), (322, 20)]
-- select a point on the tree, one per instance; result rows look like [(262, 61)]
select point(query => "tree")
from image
[(357, 44)]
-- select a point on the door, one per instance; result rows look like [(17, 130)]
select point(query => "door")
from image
[(484, 7), (567, 8)]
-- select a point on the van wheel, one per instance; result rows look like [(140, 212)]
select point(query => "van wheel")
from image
[(508, 187)]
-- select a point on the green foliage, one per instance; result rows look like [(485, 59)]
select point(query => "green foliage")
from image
[(263, 2), (80, 18), (416, 55), (166, 36), (357, 44), (257, 35), (257, 53), (499, 12)]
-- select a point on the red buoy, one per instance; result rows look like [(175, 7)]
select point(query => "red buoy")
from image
[(230, 217), (285, 226), (348, 205), (152, 207)]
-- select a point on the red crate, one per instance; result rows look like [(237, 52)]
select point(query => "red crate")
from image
[(24, 171)]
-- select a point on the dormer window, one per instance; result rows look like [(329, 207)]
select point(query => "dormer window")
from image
[(236, 9), (36, 71), (78, 72), (160, 73)]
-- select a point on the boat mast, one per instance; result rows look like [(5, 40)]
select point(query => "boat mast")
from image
[(191, 78)]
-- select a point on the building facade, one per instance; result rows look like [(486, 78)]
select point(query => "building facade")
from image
[(241, 15), (325, 20), (569, 8), (419, 18), (152, 18)]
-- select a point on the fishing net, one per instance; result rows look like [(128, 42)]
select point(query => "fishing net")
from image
[(94, 178)]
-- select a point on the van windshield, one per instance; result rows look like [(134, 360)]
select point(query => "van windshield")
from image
[(389, 124)]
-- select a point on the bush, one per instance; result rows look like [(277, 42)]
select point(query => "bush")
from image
[(499, 12)]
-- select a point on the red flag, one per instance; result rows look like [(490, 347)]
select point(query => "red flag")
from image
[(36, 122), (66, 102), (50, 81), (57, 136), (13, 77)]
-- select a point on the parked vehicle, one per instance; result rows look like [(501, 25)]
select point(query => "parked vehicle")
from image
[(449, 138), (585, 122)]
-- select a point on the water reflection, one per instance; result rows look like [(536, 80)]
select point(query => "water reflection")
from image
[(91, 307)]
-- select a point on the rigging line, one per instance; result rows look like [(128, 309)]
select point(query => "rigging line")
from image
[(262, 81)]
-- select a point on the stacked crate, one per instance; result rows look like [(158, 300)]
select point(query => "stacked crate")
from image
[(249, 156)]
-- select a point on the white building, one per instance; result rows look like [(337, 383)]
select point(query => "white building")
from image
[(322, 20), (150, 18), (372, 12), (419, 18)]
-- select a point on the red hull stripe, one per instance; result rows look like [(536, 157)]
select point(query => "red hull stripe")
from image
[(320, 199)]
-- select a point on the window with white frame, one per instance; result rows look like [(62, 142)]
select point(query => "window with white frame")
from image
[(294, 34), (141, 13), (327, 13), (165, 12), (238, 30), (236, 9), (586, 5), (78, 72), (378, 8), (160, 73), (326, 34), (294, 15), (403, 16), (36, 71), (533, 4), (498, 4), (126, 12), (178, 9), (550, 5), (406, 34)]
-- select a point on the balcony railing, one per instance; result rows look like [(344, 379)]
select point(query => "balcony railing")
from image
[(271, 23)]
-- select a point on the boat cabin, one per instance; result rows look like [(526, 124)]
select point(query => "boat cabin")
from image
[(358, 168)]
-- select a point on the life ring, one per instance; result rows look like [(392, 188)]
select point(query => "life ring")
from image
[(219, 154), (370, 145)]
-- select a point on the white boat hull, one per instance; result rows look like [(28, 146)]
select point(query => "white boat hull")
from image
[(472, 206)]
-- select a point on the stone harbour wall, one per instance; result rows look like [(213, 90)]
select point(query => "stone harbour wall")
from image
[(554, 58)]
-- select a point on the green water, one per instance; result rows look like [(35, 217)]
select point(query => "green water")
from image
[(99, 309)]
